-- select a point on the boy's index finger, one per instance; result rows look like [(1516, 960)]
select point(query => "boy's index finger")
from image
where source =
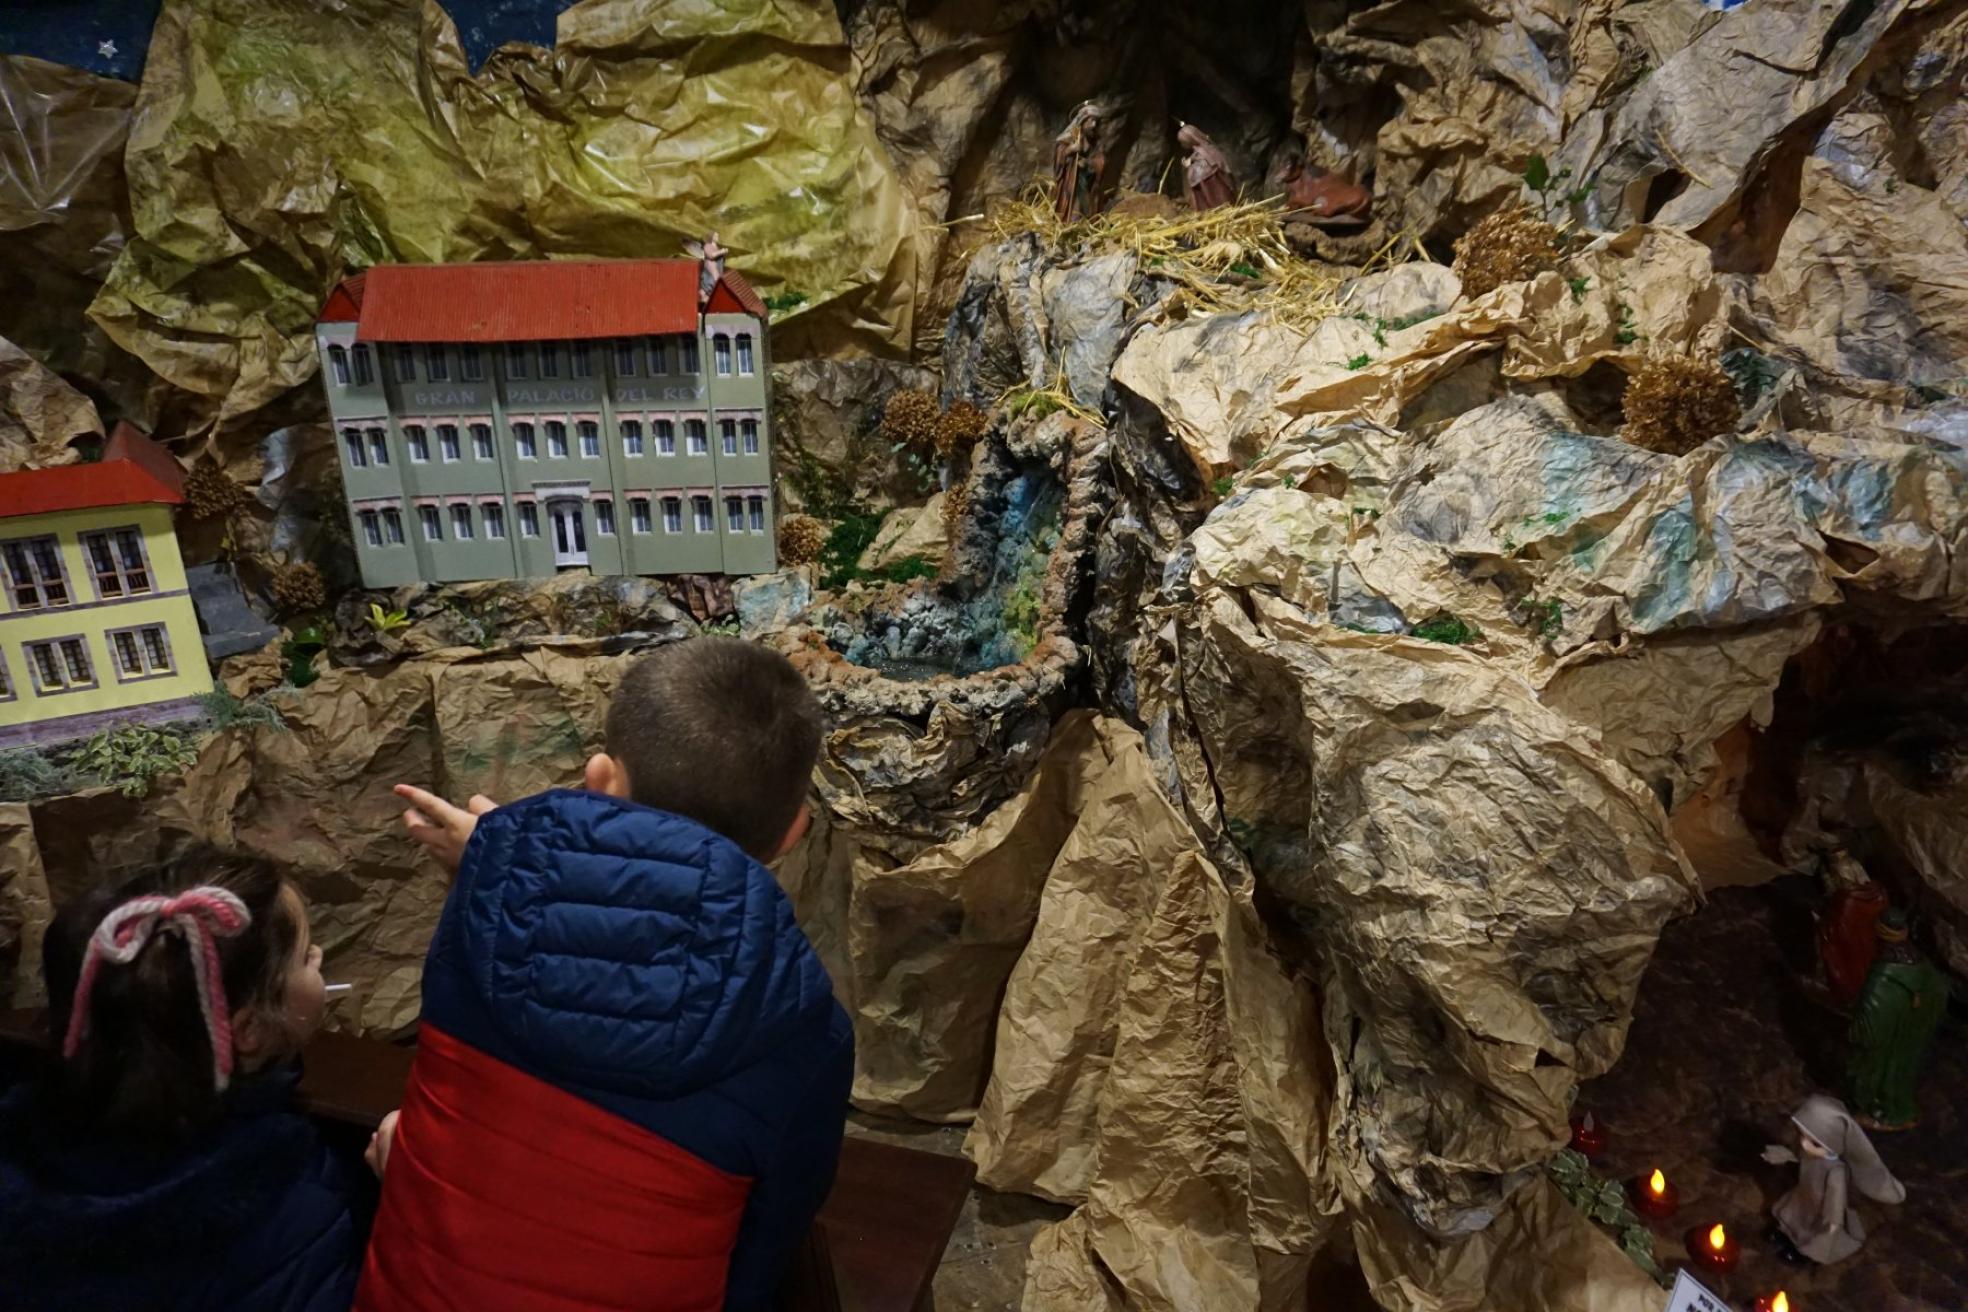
[(429, 803)]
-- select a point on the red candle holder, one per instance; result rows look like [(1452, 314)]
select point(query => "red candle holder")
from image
[(1655, 1196), (1713, 1248), (1588, 1136)]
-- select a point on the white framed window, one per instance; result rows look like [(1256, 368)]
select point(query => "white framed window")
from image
[(140, 653), (529, 520), (665, 437), (721, 354), (461, 523), (590, 438), (60, 664), (687, 353), (639, 515), (631, 437), (734, 514), (673, 514), (583, 360), (604, 515), (418, 442), (745, 363), (625, 353), (659, 357), (750, 428), (35, 575), (728, 434), (482, 441), (516, 360), (556, 439), (358, 455), (447, 443), (365, 368), (701, 515), (494, 515), (406, 363), (432, 522), (116, 556), (372, 527), (471, 364), (6, 681), (549, 360), (523, 441), (338, 361), (694, 439), (393, 525), (755, 512), (436, 366), (379, 447)]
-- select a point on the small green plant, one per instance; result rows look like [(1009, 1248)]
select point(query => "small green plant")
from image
[(1021, 614), (1221, 486), (907, 569), (726, 627), (1032, 402), (1547, 617), (1554, 199), (1604, 1201), (26, 773), (224, 711), (1753, 373), (1291, 481), (127, 759), (852, 534), (387, 621), (1629, 327), (1245, 269), (1359, 361), (1579, 287), (1450, 630), (299, 651), (784, 302)]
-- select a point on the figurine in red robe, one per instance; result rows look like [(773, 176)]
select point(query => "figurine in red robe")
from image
[(1206, 176)]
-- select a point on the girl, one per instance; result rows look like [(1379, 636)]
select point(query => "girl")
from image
[(159, 1163), (1816, 1219)]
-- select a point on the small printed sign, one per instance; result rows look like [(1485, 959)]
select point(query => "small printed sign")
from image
[(1689, 1296)]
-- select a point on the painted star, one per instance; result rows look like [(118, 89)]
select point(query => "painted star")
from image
[(107, 49)]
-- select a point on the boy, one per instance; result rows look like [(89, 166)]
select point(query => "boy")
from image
[(632, 1077)]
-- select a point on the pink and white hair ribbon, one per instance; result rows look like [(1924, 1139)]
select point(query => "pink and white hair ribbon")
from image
[(200, 916)]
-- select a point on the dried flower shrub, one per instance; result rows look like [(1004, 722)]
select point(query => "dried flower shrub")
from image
[(210, 494), (1508, 246), (800, 539), (298, 589), (909, 420), (961, 428), (955, 501), (1674, 403)]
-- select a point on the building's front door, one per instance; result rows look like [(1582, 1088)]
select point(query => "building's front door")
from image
[(570, 536)]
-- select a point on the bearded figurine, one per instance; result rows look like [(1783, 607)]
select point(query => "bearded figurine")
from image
[(1206, 178), (1899, 1009)]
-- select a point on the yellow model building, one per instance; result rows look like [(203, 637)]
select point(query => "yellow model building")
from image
[(96, 621)]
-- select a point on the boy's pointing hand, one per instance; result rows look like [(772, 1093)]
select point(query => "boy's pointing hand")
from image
[(442, 828)]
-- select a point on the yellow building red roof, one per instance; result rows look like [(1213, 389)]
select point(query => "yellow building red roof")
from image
[(134, 471)]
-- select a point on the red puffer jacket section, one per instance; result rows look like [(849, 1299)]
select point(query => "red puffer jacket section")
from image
[(567, 1208)]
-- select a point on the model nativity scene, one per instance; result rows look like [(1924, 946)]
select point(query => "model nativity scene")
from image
[(1067, 655)]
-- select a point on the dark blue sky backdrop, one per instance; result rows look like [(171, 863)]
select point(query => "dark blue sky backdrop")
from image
[(111, 36)]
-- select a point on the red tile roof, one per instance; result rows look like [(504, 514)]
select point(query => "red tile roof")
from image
[(128, 442), (117, 482), (528, 300), (733, 295)]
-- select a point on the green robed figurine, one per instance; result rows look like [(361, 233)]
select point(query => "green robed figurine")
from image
[(1899, 1009)]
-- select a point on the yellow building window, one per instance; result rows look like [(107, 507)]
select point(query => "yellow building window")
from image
[(34, 573), (6, 681), (117, 557), (141, 653), (60, 665)]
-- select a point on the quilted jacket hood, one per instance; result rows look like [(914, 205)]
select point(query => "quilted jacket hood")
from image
[(626, 948)]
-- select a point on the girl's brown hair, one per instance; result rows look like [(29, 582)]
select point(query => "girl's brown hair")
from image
[(144, 1068)]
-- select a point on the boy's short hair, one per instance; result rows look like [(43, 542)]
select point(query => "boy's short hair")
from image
[(719, 730)]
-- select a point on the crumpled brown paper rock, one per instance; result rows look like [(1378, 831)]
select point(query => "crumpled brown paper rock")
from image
[(39, 413), (277, 146), (25, 907)]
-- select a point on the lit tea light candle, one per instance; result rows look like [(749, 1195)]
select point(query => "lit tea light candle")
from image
[(1655, 1196), (1777, 1302), (1713, 1247)]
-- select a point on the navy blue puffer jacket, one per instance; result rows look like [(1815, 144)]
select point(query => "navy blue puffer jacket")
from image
[(257, 1215), (631, 1078)]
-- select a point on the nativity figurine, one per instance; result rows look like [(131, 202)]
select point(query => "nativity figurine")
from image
[(1077, 163), (1206, 178), (1326, 200), (1899, 1009), (1816, 1220)]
